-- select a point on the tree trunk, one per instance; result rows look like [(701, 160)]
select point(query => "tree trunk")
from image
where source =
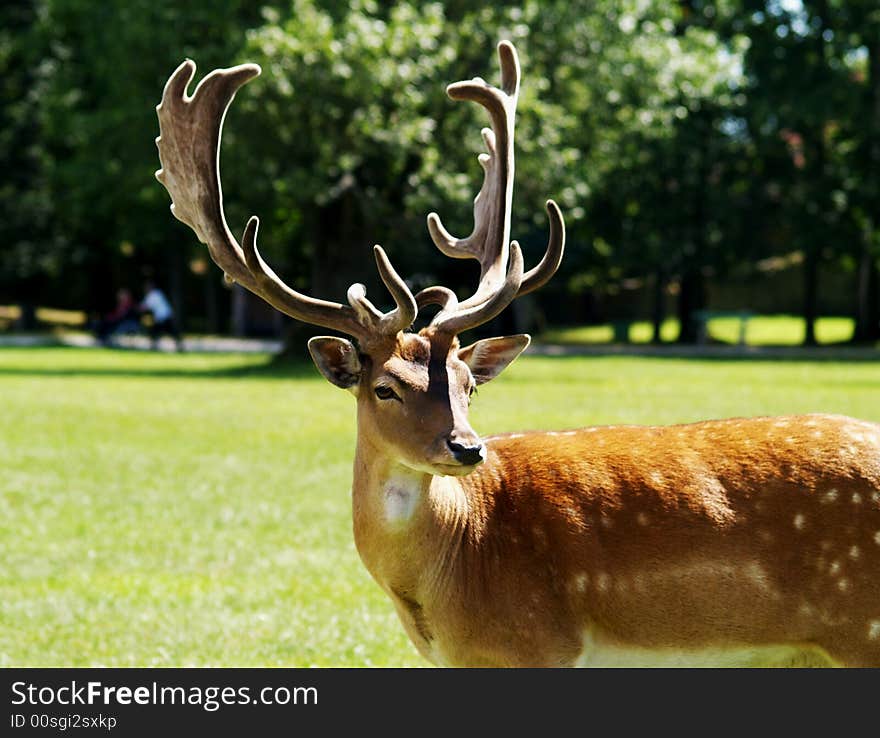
[(212, 313), (867, 324), (238, 309), (867, 321), (691, 297), (341, 258), (811, 294), (658, 311), (27, 320), (816, 190), (175, 288), (342, 254)]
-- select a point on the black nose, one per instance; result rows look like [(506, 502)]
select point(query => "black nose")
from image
[(467, 455)]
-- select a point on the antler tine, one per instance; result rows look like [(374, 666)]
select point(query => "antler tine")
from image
[(488, 242), (460, 319), (437, 295), (189, 150), (539, 275), (404, 314)]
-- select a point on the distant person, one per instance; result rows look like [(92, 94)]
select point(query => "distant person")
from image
[(124, 318), (157, 305)]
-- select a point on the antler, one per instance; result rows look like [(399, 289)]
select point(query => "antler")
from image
[(489, 243), (190, 128)]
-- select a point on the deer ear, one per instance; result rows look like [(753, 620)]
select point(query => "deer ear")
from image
[(337, 359), (489, 357)]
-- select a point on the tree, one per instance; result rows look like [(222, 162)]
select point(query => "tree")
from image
[(31, 253), (92, 75)]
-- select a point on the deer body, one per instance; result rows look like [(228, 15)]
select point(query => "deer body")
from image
[(738, 541), (745, 541)]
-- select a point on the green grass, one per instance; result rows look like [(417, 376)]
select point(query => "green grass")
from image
[(762, 330), (195, 510)]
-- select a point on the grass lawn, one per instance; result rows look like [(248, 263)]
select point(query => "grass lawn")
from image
[(762, 330), (194, 510)]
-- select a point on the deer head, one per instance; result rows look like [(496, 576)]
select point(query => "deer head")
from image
[(412, 389)]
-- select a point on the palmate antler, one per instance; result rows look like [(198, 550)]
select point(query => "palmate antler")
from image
[(190, 128), (501, 277), (189, 149)]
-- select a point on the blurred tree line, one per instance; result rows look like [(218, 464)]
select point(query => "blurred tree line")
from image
[(685, 140)]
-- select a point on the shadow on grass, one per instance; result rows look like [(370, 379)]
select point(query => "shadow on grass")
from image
[(832, 353), (104, 362), (267, 367)]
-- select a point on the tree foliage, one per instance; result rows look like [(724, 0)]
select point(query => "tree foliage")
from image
[(684, 141)]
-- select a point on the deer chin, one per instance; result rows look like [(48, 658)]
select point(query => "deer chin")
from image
[(453, 469), (445, 467)]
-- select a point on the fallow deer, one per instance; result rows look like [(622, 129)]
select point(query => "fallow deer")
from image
[(743, 541)]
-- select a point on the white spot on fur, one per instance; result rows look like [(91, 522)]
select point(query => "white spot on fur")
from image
[(607, 522), (799, 521), (830, 496), (781, 424), (603, 582), (856, 498), (874, 630), (854, 552), (657, 478), (877, 538), (580, 581), (758, 575), (843, 585), (875, 497), (817, 434), (400, 499), (834, 569), (789, 439), (642, 519)]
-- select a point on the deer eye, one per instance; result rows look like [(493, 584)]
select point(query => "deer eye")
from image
[(383, 392)]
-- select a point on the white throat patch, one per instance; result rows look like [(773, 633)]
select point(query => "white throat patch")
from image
[(401, 495)]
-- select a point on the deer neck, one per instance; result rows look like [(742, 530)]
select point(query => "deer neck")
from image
[(406, 522)]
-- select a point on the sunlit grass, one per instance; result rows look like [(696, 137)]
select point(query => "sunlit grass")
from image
[(162, 509), (49, 316), (762, 330)]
